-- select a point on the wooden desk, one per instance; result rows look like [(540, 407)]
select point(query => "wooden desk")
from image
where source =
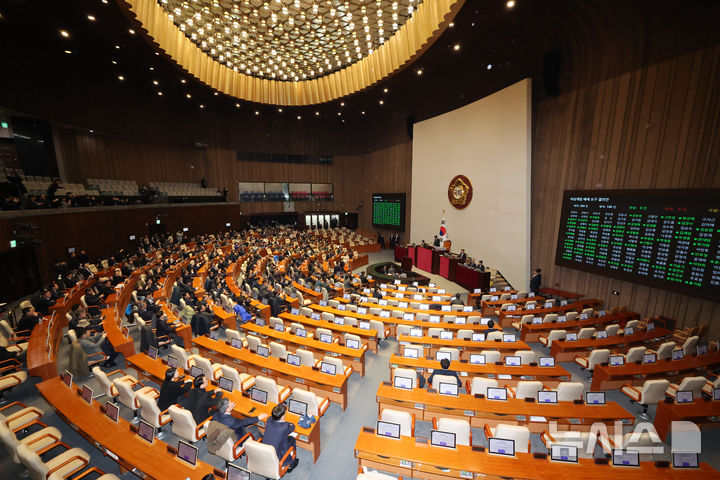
[(473, 297), (369, 336), (355, 357), (609, 378), (422, 461), (466, 347), (697, 412), (426, 405), (564, 351), (308, 293), (560, 294), (490, 307), (308, 438), (304, 377), (507, 317), (550, 376), (530, 332), (125, 447)]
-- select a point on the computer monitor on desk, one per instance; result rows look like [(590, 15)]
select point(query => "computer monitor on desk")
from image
[(441, 355), (547, 396), (563, 453), (172, 361), (195, 371), (477, 359), (625, 458), (547, 361), (446, 388), (152, 352), (237, 473), (112, 411), (388, 429), (442, 439), (501, 446), (402, 382), (226, 384), (87, 394), (496, 393), (327, 368), (297, 407), (293, 359), (187, 452), (409, 352), (686, 460), (595, 398), (258, 395), (146, 431)]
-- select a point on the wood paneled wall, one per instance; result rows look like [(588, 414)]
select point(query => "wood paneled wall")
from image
[(654, 127)]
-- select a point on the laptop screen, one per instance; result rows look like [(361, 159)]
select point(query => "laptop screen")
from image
[(387, 429), (237, 473), (146, 431), (446, 388), (187, 452), (295, 311), (112, 410), (362, 310), (293, 359), (236, 342), (601, 334), (279, 327), (172, 361), (416, 332), (677, 354), (625, 458), (260, 322), (87, 394), (442, 439), (328, 368), (297, 407), (258, 395), (547, 361), (226, 384), (595, 398), (684, 396), (563, 453), (315, 316), (547, 396), (263, 351), (649, 358), (501, 446), (195, 371), (477, 359), (301, 332), (152, 352), (403, 382), (571, 337), (496, 393), (685, 460), (339, 321)]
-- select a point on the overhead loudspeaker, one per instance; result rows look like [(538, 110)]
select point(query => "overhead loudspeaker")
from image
[(552, 65)]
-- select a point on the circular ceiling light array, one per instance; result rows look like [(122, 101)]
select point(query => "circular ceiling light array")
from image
[(290, 40)]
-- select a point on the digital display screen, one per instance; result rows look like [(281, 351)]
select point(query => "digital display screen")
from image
[(297, 407), (667, 239), (388, 210)]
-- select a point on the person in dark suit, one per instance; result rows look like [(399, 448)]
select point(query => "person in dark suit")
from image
[(45, 302), (457, 300), (200, 401), (535, 281), (463, 256), (444, 370), (172, 390), (28, 321), (277, 434), (436, 241), (224, 416)]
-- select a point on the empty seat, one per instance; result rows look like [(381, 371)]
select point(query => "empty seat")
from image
[(316, 405), (404, 419), (64, 465), (693, 384), (276, 393), (184, 425), (596, 357), (150, 412), (552, 336), (241, 381), (262, 459), (652, 392), (460, 427), (569, 391), (525, 389), (479, 385), (519, 434)]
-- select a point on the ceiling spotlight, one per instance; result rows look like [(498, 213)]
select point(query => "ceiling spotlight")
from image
[(152, 69), (363, 112), (114, 62), (160, 93), (131, 31), (155, 82), (64, 34), (280, 110), (339, 114), (451, 24), (257, 112), (419, 71), (68, 52), (510, 4), (237, 105), (182, 81), (381, 102), (105, 2), (489, 67), (342, 104), (456, 47), (91, 18), (317, 114), (216, 94), (202, 106), (187, 95), (299, 117), (385, 90), (121, 78), (92, 131), (117, 47)]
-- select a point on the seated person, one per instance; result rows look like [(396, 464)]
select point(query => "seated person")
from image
[(457, 300), (444, 370), (241, 310), (28, 321), (164, 328), (202, 321), (172, 390), (490, 327), (46, 301), (200, 401), (277, 434), (94, 302), (224, 416), (377, 293), (95, 343)]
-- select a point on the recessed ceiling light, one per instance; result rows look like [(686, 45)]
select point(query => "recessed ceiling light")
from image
[(182, 81), (155, 82), (342, 104), (419, 71), (456, 47), (160, 94), (299, 117), (152, 69), (510, 4), (489, 67), (121, 78), (105, 2), (92, 131), (363, 112), (452, 24), (156, 53), (339, 113), (64, 34), (202, 106), (132, 32), (317, 114), (117, 47), (381, 102), (91, 18), (187, 95), (385, 90), (237, 105), (114, 62), (257, 112), (68, 52), (280, 110), (216, 94)]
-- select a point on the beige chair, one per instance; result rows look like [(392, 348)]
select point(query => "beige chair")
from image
[(571, 316), (635, 354), (128, 397), (588, 311), (492, 336), (526, 319), (262, 459), (664, 351), (21, 417), (276, 393), (519, 434), (10, 381), (525, 389), (380, 328), (612, 330), (307, 358), (652, 392), (35, 441), (454, 353), (241, 381), (689, 345), (352, 336), (231, 334), (305, 311), (586, 333), (464, 334), (150, 412), (64, 465), (405, 373), (108, 389), (274, 321), (460, 427), (552, 336), (403, 330), (253, 342), (327, 316), (585, 441), (404, 419), (340, 368), (479, 385), (351, 321), (569, 391), (596, 357), (649, 440), (694, 384), (491, 356), (526, 356), (231, 451), (550, 318), (278, 350), (184, 425), (316, 405), (185, 359), (438, 379)]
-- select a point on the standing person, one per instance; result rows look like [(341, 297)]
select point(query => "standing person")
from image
[(200, 401), (436, 241), (381, 240), (535, 281), (277, 434), (53, 188), (463, 256), (172, 390)]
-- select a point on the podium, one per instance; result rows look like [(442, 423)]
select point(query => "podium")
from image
[(447, 266), (406, 264), (400, 253)]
